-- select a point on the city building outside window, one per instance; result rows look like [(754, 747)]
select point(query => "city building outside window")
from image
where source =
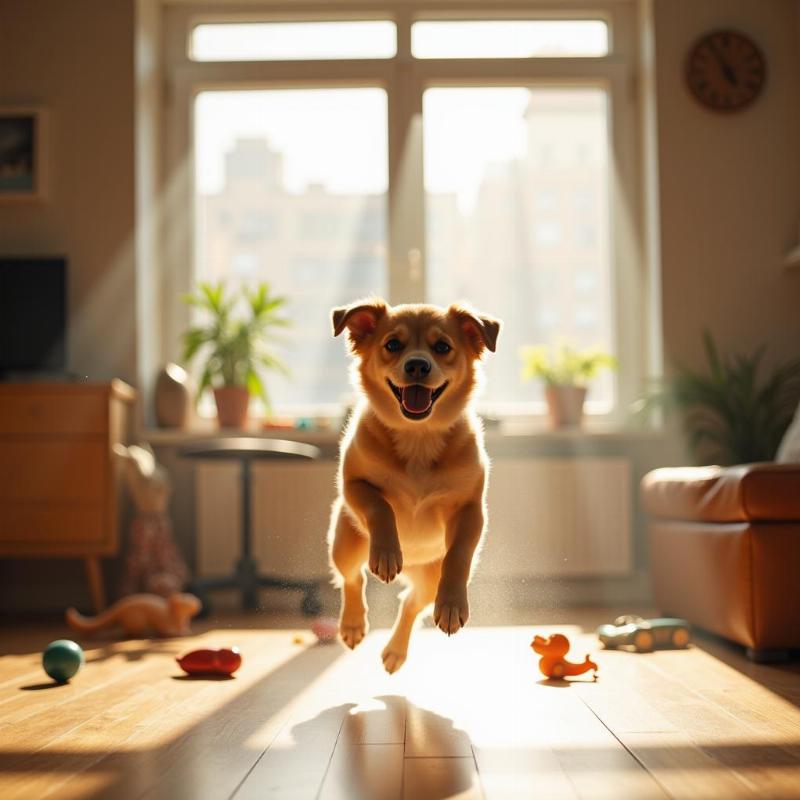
[(421, 175)]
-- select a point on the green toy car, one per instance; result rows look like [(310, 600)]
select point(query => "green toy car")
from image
[(645, 635)]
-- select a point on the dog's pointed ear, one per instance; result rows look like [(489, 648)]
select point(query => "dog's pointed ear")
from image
[(480, 330), (360, 318)]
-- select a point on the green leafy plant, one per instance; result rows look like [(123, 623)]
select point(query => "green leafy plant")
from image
[(730, 415), (563, 365), (234, 347)]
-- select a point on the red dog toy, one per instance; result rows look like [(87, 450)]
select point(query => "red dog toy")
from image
[(552, 663), (223, 661)]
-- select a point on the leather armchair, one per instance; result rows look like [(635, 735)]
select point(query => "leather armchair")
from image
[(725, 551)]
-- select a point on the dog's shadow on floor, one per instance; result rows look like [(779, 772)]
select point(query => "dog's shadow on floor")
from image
[(361, 772)]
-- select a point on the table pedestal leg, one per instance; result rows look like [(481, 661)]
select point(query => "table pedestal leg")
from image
[(246, 577), (247, 580)]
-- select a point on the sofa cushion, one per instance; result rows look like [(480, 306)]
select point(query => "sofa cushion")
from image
[(736, 579), (703, 572), (764, 492)]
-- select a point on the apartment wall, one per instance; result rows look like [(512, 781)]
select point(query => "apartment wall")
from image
[(76, 60), (729, 187), (729, 197), (729, 184)]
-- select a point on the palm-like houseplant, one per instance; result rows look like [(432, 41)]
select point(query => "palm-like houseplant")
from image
[(731, 416), (565, 372), (234, 347)]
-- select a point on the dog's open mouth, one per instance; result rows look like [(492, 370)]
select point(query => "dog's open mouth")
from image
[(416, 401)]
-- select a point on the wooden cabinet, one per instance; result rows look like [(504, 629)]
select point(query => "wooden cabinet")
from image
[(59, 479)]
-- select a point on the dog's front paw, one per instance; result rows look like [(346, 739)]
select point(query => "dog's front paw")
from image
[(451, 610), (385, 563)]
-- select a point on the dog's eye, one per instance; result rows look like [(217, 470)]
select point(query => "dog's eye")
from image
[(441, 347), (394, 345)]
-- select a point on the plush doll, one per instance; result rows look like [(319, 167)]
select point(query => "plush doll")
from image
[(153, 562), (139, 614)]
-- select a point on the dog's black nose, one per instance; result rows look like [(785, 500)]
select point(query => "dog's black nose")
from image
[(417, 367)]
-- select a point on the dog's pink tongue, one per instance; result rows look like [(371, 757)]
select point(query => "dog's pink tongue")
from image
[(416, 399)]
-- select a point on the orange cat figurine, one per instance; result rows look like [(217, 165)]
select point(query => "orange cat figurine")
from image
[(552, 663), (137, 614)]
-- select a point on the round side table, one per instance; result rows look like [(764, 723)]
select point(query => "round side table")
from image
[(246, 577)]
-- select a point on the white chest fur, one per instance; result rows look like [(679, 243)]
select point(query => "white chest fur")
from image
[(422, 497)]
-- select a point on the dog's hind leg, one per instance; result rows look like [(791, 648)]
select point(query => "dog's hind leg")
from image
[(349, 550), (423, 581)]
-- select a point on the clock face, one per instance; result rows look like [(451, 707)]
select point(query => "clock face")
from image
[(725, 71)]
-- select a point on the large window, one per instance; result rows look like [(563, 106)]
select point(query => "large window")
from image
[(291, 189), (503, 169), (425, 160), (517, 38), (287, 41)]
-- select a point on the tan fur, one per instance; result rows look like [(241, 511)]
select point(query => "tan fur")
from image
[(411, 491), (137, 614)]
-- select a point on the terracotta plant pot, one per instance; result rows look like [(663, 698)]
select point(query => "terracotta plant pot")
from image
[(232, 403), (565, 405)]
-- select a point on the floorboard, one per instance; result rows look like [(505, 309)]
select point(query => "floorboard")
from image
[(467, 717)]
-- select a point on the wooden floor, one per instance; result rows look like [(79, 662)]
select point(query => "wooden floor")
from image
[(467, 717)]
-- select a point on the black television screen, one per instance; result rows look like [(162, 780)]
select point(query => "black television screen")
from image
[(33, 299)]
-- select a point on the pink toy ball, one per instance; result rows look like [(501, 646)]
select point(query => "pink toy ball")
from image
[(325, 629)]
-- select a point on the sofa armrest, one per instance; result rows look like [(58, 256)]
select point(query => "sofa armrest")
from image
[(765, 492)]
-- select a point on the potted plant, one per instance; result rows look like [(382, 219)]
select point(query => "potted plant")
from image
[(234, 347), (731, 416), (565, 372)]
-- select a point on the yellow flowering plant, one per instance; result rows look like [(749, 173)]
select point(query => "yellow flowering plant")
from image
[(563, 365)]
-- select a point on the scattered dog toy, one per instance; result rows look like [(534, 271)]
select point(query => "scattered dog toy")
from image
[(552, 662), (645, 635), (137, 614), (222, 661), (325, 629), (62, 659)]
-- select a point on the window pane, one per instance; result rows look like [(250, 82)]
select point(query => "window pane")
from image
[(504, 168), (509, 38), (279, 41), (291, 189)]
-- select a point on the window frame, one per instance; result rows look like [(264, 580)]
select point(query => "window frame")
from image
[(405, 79)]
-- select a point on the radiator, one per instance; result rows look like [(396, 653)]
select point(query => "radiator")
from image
[(559, 517), (554, 517), (291, 507)]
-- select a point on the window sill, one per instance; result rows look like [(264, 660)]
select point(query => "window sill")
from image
[(591, 429), (517, 432)]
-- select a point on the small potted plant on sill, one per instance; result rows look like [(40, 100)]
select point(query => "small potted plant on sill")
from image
[(234, 347), (565, 372)]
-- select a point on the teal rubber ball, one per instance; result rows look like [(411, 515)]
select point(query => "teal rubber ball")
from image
[(62, 659)]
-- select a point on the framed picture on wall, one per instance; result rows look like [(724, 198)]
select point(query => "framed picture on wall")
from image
[(23, 168)]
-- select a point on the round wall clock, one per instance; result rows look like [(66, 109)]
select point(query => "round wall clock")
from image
[(725, 70)]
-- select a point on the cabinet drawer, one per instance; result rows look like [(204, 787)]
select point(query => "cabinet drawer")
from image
[(53, 414), (35, 530), (44, 472)]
